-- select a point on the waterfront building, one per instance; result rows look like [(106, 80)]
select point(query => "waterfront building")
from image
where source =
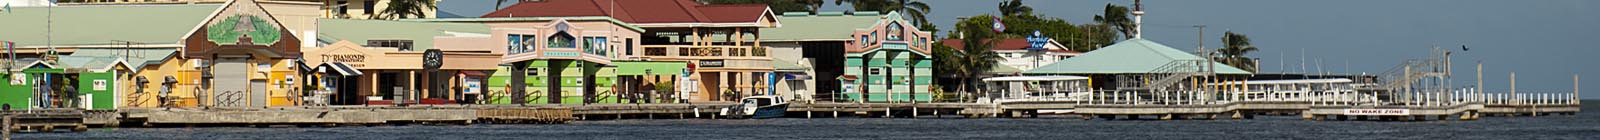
[(720, 43), (163, 53), (859, 57), (333, 9), (1126, 64), (1017, 55)]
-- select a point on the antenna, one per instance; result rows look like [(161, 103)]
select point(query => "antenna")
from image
[(1138, 19)]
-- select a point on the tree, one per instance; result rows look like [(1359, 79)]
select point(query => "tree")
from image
[(1015, 7), (1235, 47), (976, 57), (1117, 16), (497, 3), (915, 10), (401, 9), (814, 4)]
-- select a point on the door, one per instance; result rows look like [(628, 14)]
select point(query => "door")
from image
[(258, 93), (230, 84)]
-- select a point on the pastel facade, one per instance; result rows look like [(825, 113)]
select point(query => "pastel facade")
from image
[(721, 43), (856, 57)]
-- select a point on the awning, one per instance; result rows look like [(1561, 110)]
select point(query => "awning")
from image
[(847, 77), (649, 68), (796, 77), (338, 68)]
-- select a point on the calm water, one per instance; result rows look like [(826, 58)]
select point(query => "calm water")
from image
[(1584, 126)]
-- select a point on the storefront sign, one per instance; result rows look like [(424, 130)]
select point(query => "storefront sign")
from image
[(100, 85), (567, 54), (711, 63), (1377, 112), (356, 60), (471, 84), (432, 59), (19, 79)]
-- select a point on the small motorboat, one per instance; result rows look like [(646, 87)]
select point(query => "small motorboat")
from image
[(758, 107)]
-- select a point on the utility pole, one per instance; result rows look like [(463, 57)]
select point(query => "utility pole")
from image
[(1201, 37)]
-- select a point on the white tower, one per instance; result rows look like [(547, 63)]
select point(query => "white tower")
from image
[(1138, 19)]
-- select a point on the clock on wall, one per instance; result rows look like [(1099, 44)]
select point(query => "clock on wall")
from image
[(432, 59)]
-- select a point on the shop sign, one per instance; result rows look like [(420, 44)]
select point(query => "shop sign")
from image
[(19, 79), (99, 84), (711, 63), (472, 84), (564, 54), (355, 60), (1399, 112), (432, 59)]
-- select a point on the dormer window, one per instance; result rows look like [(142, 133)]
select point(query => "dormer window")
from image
[(561, 40), (895, 32)]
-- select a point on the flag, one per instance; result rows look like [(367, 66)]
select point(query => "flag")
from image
[(998, 27)]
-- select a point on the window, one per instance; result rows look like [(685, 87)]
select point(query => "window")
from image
[(514, 44), (895, 32), (864, 42), (402, 45), (368, 6), (628, 46), (874, 71), (595, 45), (561, 40)]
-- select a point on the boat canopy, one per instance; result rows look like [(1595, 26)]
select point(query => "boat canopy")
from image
[(1287, 81), (1036, 78)]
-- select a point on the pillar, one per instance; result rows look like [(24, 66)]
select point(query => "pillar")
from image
[(519, 82)]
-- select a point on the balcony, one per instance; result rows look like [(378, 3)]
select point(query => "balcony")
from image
[(704, 52)]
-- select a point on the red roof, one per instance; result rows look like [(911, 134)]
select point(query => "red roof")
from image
[(637, 11), (1004, 44)]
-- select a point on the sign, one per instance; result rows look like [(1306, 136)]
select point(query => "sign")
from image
[(711, 63), (567, 54), (432, 59), (19, 79), (471, 84), (1037, 41), (356, 60), (99, 84), (1395, 112)]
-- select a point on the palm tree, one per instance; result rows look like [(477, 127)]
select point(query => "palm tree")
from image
[(971, 61), (497, 3), (1235, 47), (814, 5), (915, 10), (401, 9), (1117, 16), (1015, 7)]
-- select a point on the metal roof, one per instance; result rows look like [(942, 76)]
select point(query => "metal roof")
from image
[(102, 24), (1132, 56), (800, 27), (1036, 78), (420, 33)]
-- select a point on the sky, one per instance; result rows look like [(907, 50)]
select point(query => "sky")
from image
[(1545, 42)]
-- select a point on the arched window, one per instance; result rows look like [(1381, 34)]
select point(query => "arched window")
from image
[(561, 40), (895, 32)]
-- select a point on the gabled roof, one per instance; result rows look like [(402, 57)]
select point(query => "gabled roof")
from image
[(639, 11), (136, 58), (1132, 56), (93, 63), (100, 24)]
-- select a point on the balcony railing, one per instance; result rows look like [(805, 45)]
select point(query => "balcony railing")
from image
[(704, 51)]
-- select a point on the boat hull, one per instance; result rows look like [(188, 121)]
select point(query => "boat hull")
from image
[(773, 111)]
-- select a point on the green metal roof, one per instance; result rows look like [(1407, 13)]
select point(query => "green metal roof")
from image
[(503, 19), (137, 58), (1003, 70), (787, 65), (1127, 57), (420, 33), (101, 24), (826, 27), (653, 67)]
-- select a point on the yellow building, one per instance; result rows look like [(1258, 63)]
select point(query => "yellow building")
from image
[(239, 56)]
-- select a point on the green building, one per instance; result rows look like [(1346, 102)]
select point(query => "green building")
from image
[(856, 57)]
